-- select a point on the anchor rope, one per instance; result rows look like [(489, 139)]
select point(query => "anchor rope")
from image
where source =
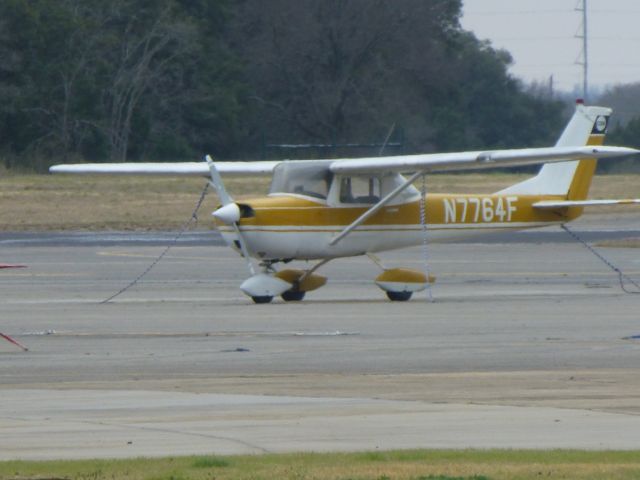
[(622, 277), (185, 226), (425, 235)]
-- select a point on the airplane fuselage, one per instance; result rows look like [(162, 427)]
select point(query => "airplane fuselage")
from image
[(286, 226)]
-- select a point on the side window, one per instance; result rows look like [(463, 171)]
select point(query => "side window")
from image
[(359, 189)]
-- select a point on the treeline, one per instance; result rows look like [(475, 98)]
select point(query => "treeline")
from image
[(174, 79), (625, 101)]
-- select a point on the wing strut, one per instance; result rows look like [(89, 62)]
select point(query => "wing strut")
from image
[(373, 210)]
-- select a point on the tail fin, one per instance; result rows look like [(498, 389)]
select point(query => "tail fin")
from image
[(570, 180)]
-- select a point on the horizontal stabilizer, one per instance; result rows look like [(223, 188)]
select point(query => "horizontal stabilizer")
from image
[(554, 204)]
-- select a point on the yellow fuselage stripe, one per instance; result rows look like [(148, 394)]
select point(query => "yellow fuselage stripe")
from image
[(443, 211)]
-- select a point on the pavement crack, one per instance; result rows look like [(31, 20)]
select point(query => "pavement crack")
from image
[(180, 432)]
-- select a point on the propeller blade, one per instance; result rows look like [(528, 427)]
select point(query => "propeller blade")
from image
[(216, 183), (244, 249), (229, 213)]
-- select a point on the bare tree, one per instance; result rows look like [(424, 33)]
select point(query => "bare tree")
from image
[(326, 69), (145, 52)]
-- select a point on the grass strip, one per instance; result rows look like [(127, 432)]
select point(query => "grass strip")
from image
[(401, 465), (68, 202)]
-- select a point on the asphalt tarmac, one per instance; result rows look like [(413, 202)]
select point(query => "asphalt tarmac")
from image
[(526, 345)]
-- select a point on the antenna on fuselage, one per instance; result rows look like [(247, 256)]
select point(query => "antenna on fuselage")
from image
[(386, 140)]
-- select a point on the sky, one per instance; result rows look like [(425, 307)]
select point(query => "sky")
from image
[(541, 35)]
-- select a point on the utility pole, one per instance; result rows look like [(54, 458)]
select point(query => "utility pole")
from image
[(584, 57)]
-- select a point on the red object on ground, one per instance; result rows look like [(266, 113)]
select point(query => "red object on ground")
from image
[(7, 337), (15, 342)]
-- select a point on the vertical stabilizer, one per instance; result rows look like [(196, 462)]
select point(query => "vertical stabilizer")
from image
[(571, 180)]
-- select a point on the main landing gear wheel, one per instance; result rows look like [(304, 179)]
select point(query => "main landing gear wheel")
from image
[(399, 296), (262, 299), (400, 283), (293, 296)]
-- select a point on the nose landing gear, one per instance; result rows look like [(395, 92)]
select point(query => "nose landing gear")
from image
[(290, 284)]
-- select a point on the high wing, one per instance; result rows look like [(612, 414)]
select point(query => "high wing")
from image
[(431, 162), (190, 169), (436, 162)]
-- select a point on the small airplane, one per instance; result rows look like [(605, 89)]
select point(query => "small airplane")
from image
[(321, 210)]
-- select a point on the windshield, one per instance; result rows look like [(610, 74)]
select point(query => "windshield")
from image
[(311, 179)]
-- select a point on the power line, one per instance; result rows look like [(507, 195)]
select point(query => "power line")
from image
[(589, 69), (615, 12), (607, 38), (507, 13), (503, 13)]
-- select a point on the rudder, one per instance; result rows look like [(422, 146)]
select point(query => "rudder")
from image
[(571, 180)]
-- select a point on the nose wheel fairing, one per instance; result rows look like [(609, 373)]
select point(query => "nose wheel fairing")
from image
[(291, 284), (264, 285)]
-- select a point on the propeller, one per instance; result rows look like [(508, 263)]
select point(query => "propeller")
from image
[(229, 213)]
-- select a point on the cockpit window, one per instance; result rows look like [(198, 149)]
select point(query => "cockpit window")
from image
[(369, 189), (359, 189), (311, 179)]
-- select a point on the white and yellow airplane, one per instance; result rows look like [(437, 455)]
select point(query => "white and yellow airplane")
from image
[(326, 209)]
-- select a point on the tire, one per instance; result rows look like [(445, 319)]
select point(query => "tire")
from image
[(262, 299), (293, 295), (399, 296)]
